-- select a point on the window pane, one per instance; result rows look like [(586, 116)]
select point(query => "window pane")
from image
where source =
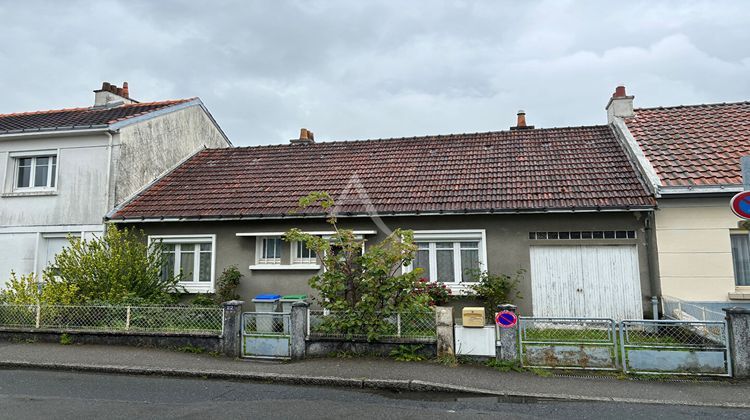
[(445, 265), (168, 269), (41, 171), (205, 266), (304, 253), (205, 247), (53, 171), (469, 245), (24, 173), (469, 264), (741, 258), (444, 245), (187, 261), (422, 260)]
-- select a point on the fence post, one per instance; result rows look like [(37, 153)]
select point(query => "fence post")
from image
[(38, 315), (507, 338), (738, 331), (444, 326), (232, 325), (298, 328), (398, 324), (127, 318)]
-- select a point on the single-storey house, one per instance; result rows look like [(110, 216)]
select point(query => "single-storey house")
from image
[(564, 204), (690, 155)]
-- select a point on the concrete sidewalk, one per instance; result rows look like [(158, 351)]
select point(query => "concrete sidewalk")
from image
[(373, 373)]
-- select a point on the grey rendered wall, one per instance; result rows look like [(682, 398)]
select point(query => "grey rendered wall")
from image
[(507, 243), (149, 148)]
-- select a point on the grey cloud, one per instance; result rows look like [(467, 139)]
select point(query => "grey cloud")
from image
[(379, 68)]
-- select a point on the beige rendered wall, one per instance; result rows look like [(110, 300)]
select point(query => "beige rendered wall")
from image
[(694, 250)]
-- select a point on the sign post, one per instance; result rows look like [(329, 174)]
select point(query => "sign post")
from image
[(507, 332)]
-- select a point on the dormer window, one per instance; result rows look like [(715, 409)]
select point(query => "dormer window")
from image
[(36, 172)]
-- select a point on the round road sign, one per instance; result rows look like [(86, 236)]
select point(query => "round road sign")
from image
[(741, 204), (506, 319)]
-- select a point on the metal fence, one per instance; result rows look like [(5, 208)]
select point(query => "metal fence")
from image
[(675, 347), (674, 308), (266, 335), (568, 343), (172, 319), (407, 326)]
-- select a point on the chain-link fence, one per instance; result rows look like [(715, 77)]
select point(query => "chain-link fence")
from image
[(568, 343), (674, 308), (675, 347), (265, 323), (113, 318), (407, 326)]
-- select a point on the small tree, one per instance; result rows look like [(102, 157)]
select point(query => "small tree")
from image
[(226, 287), (363, 288), (116, 267)]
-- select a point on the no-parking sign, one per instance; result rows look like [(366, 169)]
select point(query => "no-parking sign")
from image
[(740, 204), (506, 319)]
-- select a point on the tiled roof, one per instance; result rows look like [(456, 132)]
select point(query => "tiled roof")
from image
[(524, 170), (696, 144), (78, 117)]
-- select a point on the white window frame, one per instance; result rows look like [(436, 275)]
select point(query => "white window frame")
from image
[(456, 237), (193, 286), (16, 162), (260, 248), (297, 259)]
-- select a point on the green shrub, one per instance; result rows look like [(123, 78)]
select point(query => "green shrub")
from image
[(226, 286), (66, 339), (26, 290), (496, 289), (203, 299), (363, 289), (116, 267), (438, 294)]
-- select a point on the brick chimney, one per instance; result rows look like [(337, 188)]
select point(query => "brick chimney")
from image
[(620, 105), (305, 137), (521, 121), (111, 95)]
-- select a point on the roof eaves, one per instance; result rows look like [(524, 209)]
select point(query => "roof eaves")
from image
[(174, 218), (54, 130), (118, 124)]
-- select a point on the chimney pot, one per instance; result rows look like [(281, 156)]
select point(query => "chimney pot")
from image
[(620, 92), (521, 121), (305, 137), (125, 90), (105, 86)]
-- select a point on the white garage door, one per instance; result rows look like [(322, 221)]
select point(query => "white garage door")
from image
[(586, 281)]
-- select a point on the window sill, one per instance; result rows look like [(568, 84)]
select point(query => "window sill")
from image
[(740, 295), (285, 267), (29, 193), (196, 288)]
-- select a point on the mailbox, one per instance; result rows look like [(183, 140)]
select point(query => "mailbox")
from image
[(473, 317)]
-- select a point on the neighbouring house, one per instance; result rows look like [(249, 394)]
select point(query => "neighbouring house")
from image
[(62, 170), (690, 155), (565, 204)]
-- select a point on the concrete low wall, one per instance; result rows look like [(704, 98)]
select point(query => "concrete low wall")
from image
[(209, 342), (320, 347)]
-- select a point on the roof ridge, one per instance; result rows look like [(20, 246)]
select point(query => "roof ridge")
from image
[(429, 136), (96, 109), (692, 105)]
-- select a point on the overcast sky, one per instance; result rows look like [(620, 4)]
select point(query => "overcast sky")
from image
[(370, 69)]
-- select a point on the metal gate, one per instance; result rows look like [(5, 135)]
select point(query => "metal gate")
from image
[(675, 347), (266, 335), (568, 343)]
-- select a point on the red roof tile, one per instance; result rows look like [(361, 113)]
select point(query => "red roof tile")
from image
[(560, 168), (78, 117), (695, 144)]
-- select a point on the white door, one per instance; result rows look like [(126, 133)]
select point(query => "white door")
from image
[(586, 281)]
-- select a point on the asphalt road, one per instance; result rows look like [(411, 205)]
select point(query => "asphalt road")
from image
[(27, 394)]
